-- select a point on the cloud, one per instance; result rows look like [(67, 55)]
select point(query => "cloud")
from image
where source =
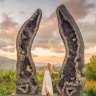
[(89, 52), (49, 26), (47, 59), (9, 48), (48, 32), (7, 23), (22, 12), (59, 49), (8, 31), (48, 36), (78, 8), (88, 32), (33, 55), (1, 1), (46, 52)]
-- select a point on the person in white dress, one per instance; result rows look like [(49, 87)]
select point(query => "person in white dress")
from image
[(47, 89)]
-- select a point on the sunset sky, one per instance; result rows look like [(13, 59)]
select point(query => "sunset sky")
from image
[(48, 46)]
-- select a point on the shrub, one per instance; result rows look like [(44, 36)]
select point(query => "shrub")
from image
[(91, 92), (91, 69), (7, 82), (89, 84), (40, 81)]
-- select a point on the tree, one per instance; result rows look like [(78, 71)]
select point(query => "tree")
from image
[(91, 69)]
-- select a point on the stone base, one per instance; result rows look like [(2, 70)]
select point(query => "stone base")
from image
[(84, 94), (30, 95), (25, 95), (39, 95)]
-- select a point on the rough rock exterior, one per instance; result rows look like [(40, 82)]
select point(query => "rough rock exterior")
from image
[(72, 74), (26, 82)]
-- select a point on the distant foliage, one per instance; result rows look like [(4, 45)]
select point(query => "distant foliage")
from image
[(40, 81), (90, 84), (54, 81), (7, 82), (91, 69), (91, 92)]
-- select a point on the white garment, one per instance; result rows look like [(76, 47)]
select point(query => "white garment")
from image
[(47, 84)]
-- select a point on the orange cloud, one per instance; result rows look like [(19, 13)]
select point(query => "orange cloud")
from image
[(49, 25), (8, 27), (78, 8), (89, 52), (46, 52), (47, 59), (48, 45)]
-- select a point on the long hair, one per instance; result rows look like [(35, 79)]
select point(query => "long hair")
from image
[(49, 67)]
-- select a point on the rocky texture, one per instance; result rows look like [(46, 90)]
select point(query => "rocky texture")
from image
[(35, 95), (72, 74), (26, 82)]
